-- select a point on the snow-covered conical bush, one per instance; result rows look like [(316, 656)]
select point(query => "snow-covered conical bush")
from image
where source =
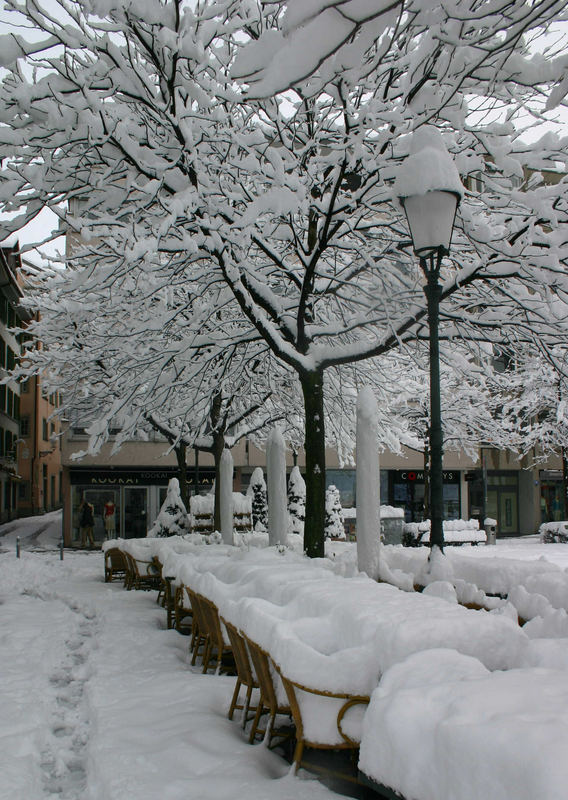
[(296, 501), (257, 492), (334, 527), (172, 519)]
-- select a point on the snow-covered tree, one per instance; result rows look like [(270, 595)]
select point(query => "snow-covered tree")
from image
[(257, 492), (334, 527), (276, 195), (172, 519), (296, 501)]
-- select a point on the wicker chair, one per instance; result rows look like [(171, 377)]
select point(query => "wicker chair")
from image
[(115, 564), (245, 673), (137, 579), (218, 652), (199, 633), (183, 613), (349, 700), (268, 700)]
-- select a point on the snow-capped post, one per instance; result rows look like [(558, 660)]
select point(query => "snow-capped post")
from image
[(429, 189), (276, 476), (368, 479), (226, 495)]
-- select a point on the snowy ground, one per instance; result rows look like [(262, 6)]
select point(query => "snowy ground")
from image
[(98, 699)]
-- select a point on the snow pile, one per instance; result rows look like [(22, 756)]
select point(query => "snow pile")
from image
[(441, 726)]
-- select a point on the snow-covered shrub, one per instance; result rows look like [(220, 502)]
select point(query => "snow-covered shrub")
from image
[(257, 492), (172, 519), (553, 532), (334, 527), (296, 501)]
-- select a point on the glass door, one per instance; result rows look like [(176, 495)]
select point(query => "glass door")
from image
[(135, 512)]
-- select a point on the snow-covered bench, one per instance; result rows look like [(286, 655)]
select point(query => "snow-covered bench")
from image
[(456, 532)]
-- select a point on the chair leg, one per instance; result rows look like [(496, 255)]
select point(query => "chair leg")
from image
[(247, 706), (207, 655), (235, 698), (257, 716), (298, 753)]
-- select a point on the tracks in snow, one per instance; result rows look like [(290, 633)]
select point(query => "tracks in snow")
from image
[(63, 757)]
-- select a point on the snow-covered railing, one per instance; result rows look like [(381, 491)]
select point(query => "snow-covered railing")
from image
[(456, 532), (551, 532)]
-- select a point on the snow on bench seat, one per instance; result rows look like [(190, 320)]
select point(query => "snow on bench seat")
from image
[(440, 726)]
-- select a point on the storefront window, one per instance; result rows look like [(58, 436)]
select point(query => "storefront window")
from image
[(98, 498)]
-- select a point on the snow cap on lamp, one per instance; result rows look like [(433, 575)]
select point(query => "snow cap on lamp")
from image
[(429, 189)]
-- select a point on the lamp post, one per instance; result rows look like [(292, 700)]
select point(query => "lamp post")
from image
[(429, 191)]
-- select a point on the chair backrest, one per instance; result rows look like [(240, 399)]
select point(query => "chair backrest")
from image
[(116, 557), (198, 611), (261, 663), (213, 622), (240, 652)]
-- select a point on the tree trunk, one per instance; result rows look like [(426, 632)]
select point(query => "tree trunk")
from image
[(180, 451), (312, 388), (218, 447)]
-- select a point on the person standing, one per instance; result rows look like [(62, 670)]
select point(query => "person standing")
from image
[(86, 523)]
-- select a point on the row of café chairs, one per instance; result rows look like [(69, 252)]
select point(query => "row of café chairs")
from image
[(225, 649)]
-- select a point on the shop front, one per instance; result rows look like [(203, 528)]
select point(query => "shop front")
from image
[(495, 495), (126, 501), (404, 488)]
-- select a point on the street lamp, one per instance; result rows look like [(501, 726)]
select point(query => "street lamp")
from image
[(429, 190)]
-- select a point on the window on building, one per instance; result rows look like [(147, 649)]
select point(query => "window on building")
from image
[(44, 430), (25, 386), (3, 398), (10, 359), (24, 490), (2, 353), (2, 450), (10, 403), (16, 406), (24, 427)]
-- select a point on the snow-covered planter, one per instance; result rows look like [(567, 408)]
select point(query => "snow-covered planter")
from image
[(392, 524), (201, 507), (553, 532), (456, 532)]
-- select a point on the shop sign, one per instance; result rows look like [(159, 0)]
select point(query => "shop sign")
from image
[(417, 476), (142, 477)]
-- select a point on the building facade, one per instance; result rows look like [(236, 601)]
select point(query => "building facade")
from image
[(12, 317), (519, 496)]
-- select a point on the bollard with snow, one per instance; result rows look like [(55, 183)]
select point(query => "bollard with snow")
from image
[(277, 495), (368, 485), (226, 496), (17, 546)]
